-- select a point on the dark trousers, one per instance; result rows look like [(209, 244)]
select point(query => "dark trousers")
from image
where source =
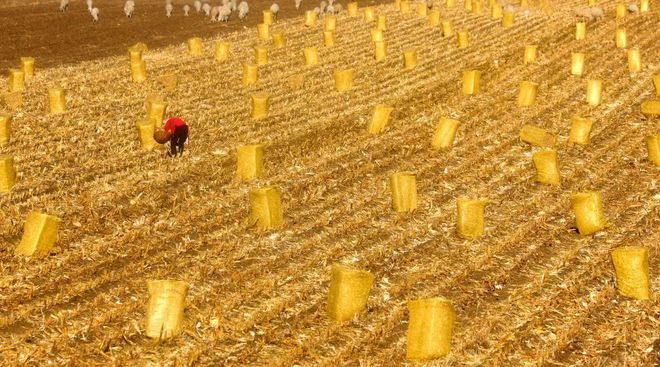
[(178, 138)]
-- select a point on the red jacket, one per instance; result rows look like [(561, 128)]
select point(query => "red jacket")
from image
[(173, 123)]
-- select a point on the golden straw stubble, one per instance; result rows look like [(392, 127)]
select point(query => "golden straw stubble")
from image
[(165, 308), (430, 327), (349, 292), (631, 264)]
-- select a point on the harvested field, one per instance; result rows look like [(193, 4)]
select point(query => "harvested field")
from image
[(530, 291)]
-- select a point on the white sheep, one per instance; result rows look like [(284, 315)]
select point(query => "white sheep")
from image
[(590, 13), (186, 10), (322, 6), (298, 2), (330, 9), (207, 9), (632, 8), (215, 12), (233, 5), (129, 8), (275, 9), (338, 8), (90, 5), (198, 5), (95, 14), (64, 5), (317, 10), (243, 10), (225, 13), (168, 9)]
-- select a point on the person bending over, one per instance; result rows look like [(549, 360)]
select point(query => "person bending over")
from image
[(176, 132)]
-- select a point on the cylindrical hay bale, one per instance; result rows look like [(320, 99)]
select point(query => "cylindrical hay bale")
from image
[(404, 191), (577, 63), (536, 136), (260, 104), (580, 130), (329, 38), (447, 29), (139, 71), (405, 6), (311, 56), (592, 2), (266, 208), (146, 129), (422, 9), (621, 11), (16, 80), (471, 82), (527, 94), (165, 309), (594, 91), (508, 18), (524, 3), (56, 100), (221, 51), (330, 23), (470, 222), (653, 146), (157, 110), (634, 60), (588, 209), (656, 83), (651, 108), (261, 55), (547, 167), (382, 22), (349, 291), (644, 6), (477, 7), (530, 54), (369, 14), (377, 35), (580, 30), (431, 322), (463, 39), (352, 8), (434, 17), (620, 38), (27, 65), (5, 129), (268, 17), (631, 264), (451, 3), (39, 235), (310, 18), (263, 31), (445, 133), (250, 74), (278, 39), (249, 162), (344, 80), (380, 50), (410, 59), (7, 173), (397, 5), (134, 54), (496, 11), (380, 118), (195, 46), (467, 5)]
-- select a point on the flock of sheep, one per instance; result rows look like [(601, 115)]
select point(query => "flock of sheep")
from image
[(220, 13)]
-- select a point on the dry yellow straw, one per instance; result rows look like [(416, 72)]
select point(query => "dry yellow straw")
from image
[(620, 38), (397, 5), (310, 18), (56, 100), (329, 38), (156, 111), (377, 35), (380, 50), (463, 39), (195, 46), (5, 129), (13, 100), (634, 60), (405, 6), (344, 80), (451, 3), (382, 22), (369, 14), (580, 130), (445, 133), (631, 264), (379, 118), (260, 105), (529, 56), (221, 51), (311, 56), (537, 136), (410, 59), (140, 46), (527, 94), (27, 65), (249, 162), (447, 30), (651, 108), (7, 173), (430, 326), (422, 10), (266, 208), (268, 17), (278, 39), (330, 23), (620, 11), (165, 309), (146, 129), (644, 6), (434, 17), (352, 8), (508, 19), (250, 74), (653, 146), (263, 31), (467, 5), (349, 291), (261, 55), (547, 167), (594, 91), (169, 81), (296, 81), (470, 222), (16, 80), (580, 30), (39, 235), (656, 84), (404, 191), (471, 82), (477, 7), (139, 71), (577, 63), (592, 2), (496, 11), (588, 209)]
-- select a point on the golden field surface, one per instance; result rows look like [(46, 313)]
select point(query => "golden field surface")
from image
[(530, 291)]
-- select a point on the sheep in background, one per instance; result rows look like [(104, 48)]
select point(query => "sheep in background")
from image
[(129, 8), (64, 5), (338, 8), (225, 13), (233, 5), (198, 5), (632, 8), (322, 6), (330, 9), (590, 13), (215, 13), (186, 10), (95, 14), (168, 9), (317, 10), (90, 6), (243, 10), (275, 9), (298, 2), (207, 9)]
